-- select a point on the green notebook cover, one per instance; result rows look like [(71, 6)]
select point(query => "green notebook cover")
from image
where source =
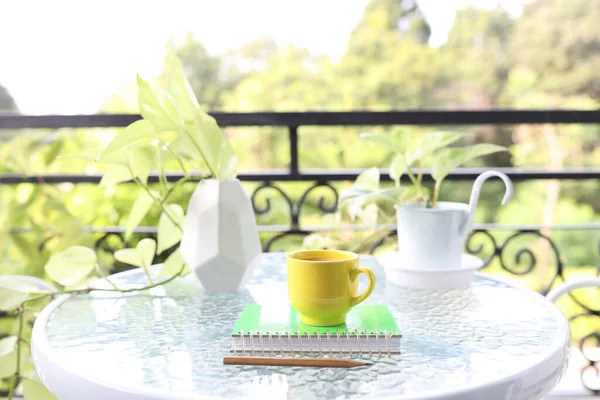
[(364, 320)]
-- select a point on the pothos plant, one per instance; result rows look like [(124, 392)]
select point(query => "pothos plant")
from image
[(174, 130), (364, 200), (433, 151)]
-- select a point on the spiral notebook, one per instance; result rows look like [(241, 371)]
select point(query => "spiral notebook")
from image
[(369, 329)]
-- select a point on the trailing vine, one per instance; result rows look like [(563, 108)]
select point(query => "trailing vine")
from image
[(174, 131)]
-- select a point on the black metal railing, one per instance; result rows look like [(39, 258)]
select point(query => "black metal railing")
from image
[(517, 261)]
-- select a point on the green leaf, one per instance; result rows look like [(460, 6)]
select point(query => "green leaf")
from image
[(152, 107), (141, 256), (147, 250), (177, 110), (430, 143), (369, 214), (170, 226), (449, 159), (398, 141), (179, 87), (8, 356), (71, 265), (138, 130), (116, 174), (353, 193), (446, 161), (140, 208), (173, 265), (35, 390), (397, 169), (368, 179), (393, 194), (354, 207), (352, 199), (214, 146), (187, 149), (53, 151), (7, 345), (414, 194), (139, 160), (483, 149), (14, 290)]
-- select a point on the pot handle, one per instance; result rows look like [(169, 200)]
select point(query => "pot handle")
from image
[(508, 193)]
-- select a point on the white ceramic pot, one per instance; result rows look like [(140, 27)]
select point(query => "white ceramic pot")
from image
[(220, 241), (434, 238)]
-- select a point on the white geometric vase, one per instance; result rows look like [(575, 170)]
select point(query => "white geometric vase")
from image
[(220, 242)]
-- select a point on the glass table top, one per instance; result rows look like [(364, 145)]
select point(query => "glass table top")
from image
[(173, 338)]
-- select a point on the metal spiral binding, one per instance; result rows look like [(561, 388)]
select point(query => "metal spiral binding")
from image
[(262, 343), (282, 342), (349, 343), (387, 344), (319, 339), (271, 349)]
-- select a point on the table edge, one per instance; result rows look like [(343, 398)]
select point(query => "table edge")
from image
[(43, 352)]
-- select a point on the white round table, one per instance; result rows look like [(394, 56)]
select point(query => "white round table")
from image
[(491, 341)]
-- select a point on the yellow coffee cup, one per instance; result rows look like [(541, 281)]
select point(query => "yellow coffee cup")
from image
[(323, 285)]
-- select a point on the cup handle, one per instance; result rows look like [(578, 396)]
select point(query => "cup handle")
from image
[(371, 276)]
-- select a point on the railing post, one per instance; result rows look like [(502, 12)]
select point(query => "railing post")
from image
[(293, 132)]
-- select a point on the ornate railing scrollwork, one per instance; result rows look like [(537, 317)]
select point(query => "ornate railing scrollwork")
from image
[(589, 345), (527, 255), (321, 202), (479, 249), (294, 208), (264, 210)]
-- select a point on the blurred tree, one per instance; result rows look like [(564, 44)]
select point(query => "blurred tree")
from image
[(214, 77), (291, 80), (203, 71), (7, 103), (383, 16), (477, 50), (252, 56), (559, 40), (388, 64)]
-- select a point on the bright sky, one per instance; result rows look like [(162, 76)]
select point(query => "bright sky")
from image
[(68, 56)]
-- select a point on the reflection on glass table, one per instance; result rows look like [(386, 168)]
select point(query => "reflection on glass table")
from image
[(489, 341)]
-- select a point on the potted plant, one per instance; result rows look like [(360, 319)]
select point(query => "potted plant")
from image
[(431, 233), (219, 237)]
